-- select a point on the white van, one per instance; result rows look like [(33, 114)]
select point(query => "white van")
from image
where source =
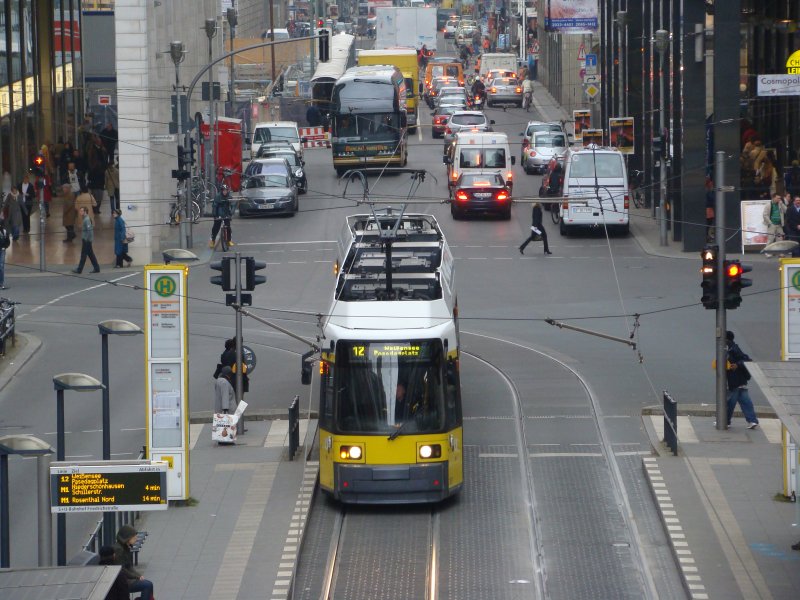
[(276, 131), (595, 190), (482, 151), (498, 61)]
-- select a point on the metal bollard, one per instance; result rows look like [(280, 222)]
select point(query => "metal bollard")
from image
[(294, 427), (671, 423)]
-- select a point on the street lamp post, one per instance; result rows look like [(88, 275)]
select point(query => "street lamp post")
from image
[(622, 22), (177, 54), (662, 44), (80, 383), (230, 15), (25, 445), (110, 327), (211, 32)]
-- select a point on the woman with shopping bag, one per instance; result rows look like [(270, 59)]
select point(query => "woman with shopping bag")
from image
[(537, 230)]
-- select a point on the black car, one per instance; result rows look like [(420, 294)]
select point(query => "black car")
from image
[(480, 193), (274, 193), (297, 166)]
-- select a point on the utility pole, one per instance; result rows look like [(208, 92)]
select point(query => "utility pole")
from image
[(662, 44), (239, 366), (232, 22), (722, 354), (210, 154), (177, 54), (272, 37), (622, 22)]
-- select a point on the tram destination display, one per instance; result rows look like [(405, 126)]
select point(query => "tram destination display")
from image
[(108, 486)]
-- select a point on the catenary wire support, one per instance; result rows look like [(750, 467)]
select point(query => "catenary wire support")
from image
[(613, 338), (670, 423)]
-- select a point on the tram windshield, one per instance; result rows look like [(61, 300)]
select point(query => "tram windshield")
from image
[(382, 386)]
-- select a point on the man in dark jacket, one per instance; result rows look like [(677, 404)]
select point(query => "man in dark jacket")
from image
[(792, 223), (118, 591), (537, 230), (126, 537), (738, 376)]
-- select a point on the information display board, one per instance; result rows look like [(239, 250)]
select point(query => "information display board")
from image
[(108, 486), (167, 355), (790, 308)]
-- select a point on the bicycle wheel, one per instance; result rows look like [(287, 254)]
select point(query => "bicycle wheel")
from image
[(225, 237), (196, 213), (555, 214), (638, 198)]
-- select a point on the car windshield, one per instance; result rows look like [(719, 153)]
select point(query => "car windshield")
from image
[(549, 140), (468, 120), (291, 157), (264, 135), (267, 181), (259, 168), (542, 127), (507, 81), (475, 158), (606, 165), (481, 180)]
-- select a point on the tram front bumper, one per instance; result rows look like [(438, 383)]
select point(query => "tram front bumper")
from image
[(391, 484)]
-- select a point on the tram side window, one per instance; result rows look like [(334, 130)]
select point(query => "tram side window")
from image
[(327, 395), (452, 394)]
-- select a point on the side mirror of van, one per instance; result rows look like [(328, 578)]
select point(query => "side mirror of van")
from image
[(491, 122), (447, 160), (521, 133), (513, 160)]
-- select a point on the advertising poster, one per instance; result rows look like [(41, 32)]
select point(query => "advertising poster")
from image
[(583, 120), (754, 232), (593, 136), (620, 134), (571, 16)]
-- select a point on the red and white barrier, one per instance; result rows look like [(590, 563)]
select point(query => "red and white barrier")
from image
[(315, 137)]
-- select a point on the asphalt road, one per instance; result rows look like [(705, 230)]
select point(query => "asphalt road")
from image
[(504, 298)]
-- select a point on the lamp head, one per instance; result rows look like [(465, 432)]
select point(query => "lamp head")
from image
[(178, 255), (119, 327), (25, 445), (230, 14), (211, 28), (176, 52), (79, 382), (662, 40)]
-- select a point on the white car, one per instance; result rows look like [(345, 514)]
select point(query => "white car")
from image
[(276, 131), (450, 28)]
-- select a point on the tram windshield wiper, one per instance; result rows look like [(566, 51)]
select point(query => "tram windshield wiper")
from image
[(399, 430)]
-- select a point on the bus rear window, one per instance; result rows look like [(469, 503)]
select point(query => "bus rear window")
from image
[(476, 158)]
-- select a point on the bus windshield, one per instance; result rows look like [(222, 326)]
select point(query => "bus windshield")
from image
[(368, 126), (381, 386), (367, 96)]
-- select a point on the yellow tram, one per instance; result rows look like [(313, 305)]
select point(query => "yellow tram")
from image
[(390, 398)]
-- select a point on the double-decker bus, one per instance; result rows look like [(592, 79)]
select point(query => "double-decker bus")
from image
[(368, 118)]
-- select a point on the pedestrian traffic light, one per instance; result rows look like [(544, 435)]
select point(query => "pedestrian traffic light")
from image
[(658, 147), (251, 280), (710, 298), (181, 159), (38, 165), (324, 45), (225, 267), (734, 282)]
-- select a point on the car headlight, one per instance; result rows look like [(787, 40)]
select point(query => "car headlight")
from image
[(350, 452), (298, 173), (427, 451)]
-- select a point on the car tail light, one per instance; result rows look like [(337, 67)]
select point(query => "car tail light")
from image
[(437, 120), (532, 153), (565, 204), (509, 176), (493, 90), (502, 195), (462, 195), (447, 130), (518, 90), (627, 202), (454, 175)]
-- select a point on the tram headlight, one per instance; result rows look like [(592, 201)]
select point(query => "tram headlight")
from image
[(427, 451), (350, 452)]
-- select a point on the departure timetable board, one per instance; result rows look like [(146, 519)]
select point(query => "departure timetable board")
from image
[(108, 486)]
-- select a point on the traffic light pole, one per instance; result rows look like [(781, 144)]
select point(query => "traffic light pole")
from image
[(239, 366), (42, 225), (721, 354)]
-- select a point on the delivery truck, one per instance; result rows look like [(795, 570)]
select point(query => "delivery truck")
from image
[(409, 27), (404, 59)]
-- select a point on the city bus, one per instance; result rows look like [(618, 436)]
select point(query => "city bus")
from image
[(369, 125)]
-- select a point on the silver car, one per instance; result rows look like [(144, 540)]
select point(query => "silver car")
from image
[(545, 146), (274, 193), (504, 90), (466, 30), (465, 120)]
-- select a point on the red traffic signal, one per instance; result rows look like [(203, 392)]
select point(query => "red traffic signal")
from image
[(320, 23), (38, 164), (734, 270)]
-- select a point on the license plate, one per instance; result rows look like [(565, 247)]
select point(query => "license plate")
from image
[(266, 206), (483, 195), (582, 209)]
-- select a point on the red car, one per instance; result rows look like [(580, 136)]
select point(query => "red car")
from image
[(484, 193)]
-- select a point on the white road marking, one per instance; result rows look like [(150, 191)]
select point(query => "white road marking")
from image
[(80, 291), (286, 243)]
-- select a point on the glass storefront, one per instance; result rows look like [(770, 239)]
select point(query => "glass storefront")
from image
[(40, 99)]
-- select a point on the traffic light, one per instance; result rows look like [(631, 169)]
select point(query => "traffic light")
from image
[(38, 165), (320, 23), (181, 158), (734, 282), (324, 45), (710, 298), (226, 268), (658, 147), (251, 280), (190, 155)]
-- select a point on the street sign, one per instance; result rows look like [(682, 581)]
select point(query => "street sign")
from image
[(592, 90), (591, 64), (591, 78), (104, 99), (582, 53), (249, 359), (109, 485)]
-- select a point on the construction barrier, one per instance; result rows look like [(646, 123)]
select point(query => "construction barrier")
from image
[(315, 137)]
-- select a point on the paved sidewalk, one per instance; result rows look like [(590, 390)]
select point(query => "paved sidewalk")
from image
[(721, 504), (239, 535)]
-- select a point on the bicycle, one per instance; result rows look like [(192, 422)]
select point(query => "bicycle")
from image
[(555, 213), (635, 186), (526, 101), (176, 209), (202, 192)]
